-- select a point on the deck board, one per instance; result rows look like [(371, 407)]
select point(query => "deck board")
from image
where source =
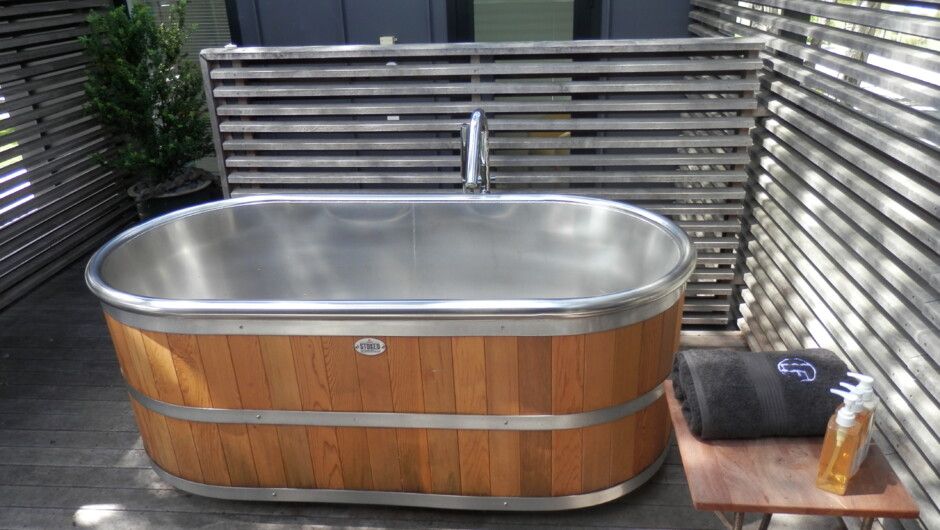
[(70, 452)]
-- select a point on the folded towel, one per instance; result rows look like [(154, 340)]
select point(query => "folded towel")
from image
[(732, 394)]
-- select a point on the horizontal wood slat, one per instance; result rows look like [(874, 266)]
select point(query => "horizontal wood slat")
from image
[(46, 37), (902, 52), (56, 205), (512, 70), (444, 161), (915, 90), (506, 177), (504, 88), (394, 111), (904, 120), (418, 144), (20, 73), (48, 52), (873, 17), (551, 49), (841, 240), (661, 123), (46, 8), (910, 154), (630, 123)]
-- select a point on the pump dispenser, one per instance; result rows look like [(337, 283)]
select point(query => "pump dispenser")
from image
[(866, 391), (863, 417), (840, 446)]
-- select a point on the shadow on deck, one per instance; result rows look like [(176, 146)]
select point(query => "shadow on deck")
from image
[(71, 456)]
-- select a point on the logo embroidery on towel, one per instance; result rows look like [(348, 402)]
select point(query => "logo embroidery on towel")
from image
[(796, 367)]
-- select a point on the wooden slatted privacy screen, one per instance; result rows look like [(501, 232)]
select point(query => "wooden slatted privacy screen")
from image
[(842, 242), (658, 123), (55, 204)]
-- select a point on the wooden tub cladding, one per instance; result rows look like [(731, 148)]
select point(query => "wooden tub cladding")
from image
[(462, 375)]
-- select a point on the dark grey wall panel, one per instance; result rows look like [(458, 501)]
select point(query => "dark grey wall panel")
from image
[(645, 19), (409, 20), (286, 22), (311, 22)]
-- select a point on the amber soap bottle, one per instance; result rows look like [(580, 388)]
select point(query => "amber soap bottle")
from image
[(840, 446)]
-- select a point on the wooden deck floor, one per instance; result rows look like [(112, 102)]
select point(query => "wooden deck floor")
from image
[(70, 455)]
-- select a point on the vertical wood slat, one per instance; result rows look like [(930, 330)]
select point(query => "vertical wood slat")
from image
[(284, 390), (404, 360), (314, 386), (215, 353), (626, 383), (502, 396), (470, 390), (672, 319), (647, 426), (567, 398), (162, 443), (375, 387), (253, 389), (535, 397), (168, 389), (191, 375), (343, 376), (599, 355), (651, 339), (651, 433), (437, 373), (463, 375), (129, 356)]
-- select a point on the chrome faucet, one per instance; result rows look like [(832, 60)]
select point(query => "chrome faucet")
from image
[(475, 154)]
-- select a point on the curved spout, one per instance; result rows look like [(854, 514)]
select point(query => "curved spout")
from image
[(474, 154)]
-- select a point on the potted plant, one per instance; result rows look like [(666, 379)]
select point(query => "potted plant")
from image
[(141, 85)]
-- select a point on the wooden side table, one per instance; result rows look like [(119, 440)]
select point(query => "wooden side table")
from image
[(778, 475)]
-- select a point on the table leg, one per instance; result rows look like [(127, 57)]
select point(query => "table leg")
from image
[(738, 523), (867, 522), (738, 520), (765, 521)]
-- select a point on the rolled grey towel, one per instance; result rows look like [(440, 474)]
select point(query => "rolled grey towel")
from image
[(733, 394)]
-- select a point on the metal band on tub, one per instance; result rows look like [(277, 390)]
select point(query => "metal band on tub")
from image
[(425, 500), (401, 420)]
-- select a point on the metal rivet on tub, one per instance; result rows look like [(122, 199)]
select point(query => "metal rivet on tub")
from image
[(258, 416), (505, 422), (274, 494)]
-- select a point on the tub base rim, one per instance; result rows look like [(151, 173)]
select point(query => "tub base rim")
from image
[(415, 500)]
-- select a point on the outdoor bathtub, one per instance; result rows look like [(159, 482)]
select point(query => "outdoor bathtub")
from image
[(460, 351)]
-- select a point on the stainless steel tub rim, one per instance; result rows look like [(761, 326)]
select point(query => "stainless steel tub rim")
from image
[(430, 317)]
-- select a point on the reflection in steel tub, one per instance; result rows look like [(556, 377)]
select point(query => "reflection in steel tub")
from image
[(461, 351)]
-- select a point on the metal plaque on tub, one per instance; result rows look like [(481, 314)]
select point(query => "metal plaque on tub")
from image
[(370, 346)]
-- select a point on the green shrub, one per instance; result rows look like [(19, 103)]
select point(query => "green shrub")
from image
[(141, 85)]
